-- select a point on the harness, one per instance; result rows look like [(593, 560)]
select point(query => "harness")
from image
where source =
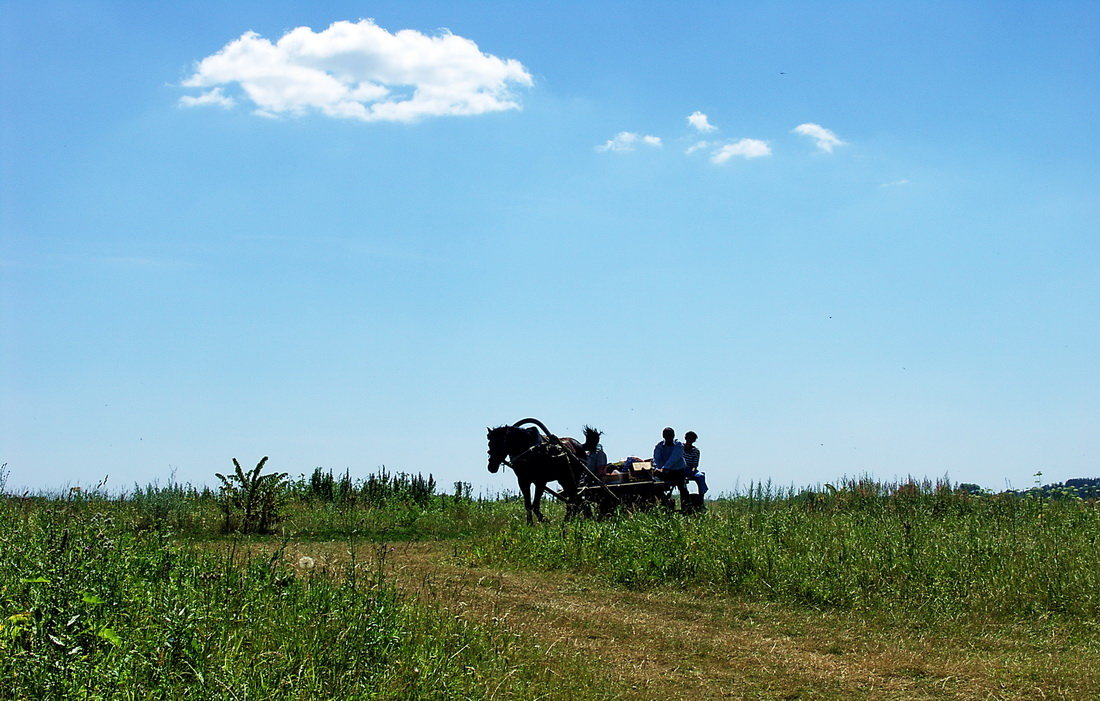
[(553, 441), (515, 458)]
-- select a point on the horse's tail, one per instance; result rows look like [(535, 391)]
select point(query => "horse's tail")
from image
[(591, 439)]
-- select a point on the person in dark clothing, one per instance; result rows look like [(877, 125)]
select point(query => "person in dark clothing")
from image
[(669, 465)]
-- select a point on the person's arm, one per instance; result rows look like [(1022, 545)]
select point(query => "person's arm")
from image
[(676, 455)]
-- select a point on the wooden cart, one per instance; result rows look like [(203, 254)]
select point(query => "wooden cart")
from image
[(634, 489)]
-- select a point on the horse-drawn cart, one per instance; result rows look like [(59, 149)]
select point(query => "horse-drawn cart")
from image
[(603, 498), (537, 457)]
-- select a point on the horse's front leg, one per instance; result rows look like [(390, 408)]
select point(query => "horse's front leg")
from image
[(539, 488), (525, 488)]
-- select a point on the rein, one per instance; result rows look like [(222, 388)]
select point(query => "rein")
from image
[(517, 457)]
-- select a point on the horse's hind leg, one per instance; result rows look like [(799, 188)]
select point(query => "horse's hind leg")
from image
[(577, 509), (539, 487)]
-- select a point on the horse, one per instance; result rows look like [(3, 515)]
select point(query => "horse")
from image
[(540, 458)]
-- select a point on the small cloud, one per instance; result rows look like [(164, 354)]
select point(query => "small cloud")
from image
[(358, 70), (699, 120), (628, 141), (825, 139), (211, 97), (903, 181), (745, 148), (697, 146)]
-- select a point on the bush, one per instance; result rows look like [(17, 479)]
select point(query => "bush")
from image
[(251, 501)]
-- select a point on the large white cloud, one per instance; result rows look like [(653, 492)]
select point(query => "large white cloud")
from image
[(825, 139), (745, 148), (699, 120), (628, 141), (358, 70)]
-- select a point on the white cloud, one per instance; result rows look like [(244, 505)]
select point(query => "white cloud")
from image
[(697, 146), (699, 120), (825, 139), (896, 183), (358, 70), (210, 97), (745, 148), (628, 141)]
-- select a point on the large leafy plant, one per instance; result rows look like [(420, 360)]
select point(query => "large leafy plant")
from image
[(251, 501)]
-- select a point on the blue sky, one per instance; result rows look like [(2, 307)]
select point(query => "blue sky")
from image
[(239, 229)]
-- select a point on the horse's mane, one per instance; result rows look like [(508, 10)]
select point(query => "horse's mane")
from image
[(503, 430)]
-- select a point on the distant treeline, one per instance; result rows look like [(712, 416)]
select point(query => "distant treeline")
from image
[(1079, 488)]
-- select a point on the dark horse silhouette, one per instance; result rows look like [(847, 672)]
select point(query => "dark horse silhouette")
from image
[(540, 458)]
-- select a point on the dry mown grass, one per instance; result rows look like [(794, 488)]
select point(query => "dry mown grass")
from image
[(684, 645)]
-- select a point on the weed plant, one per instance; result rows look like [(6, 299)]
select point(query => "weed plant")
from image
[(921, 549), (252, 502), (92, 608)]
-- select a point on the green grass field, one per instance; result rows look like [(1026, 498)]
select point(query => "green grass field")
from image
[(145, 595), (932, 552)]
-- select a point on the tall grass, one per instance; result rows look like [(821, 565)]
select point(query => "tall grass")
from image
[(921, 549), (382, 506), (93, 608), (377, 489)]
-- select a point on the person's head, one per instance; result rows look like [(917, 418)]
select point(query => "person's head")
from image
[(690, 437), (668, 434)]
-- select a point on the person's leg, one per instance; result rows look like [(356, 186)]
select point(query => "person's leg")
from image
[(701, 480), (681, 484)]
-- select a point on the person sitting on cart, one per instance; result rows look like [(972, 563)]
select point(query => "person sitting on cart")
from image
[(691, 457), (597, 462), (669, 464)]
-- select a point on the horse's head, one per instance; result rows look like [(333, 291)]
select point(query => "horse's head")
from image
[(498, 446)]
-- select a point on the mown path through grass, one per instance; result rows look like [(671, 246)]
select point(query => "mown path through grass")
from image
[(702, 646)]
